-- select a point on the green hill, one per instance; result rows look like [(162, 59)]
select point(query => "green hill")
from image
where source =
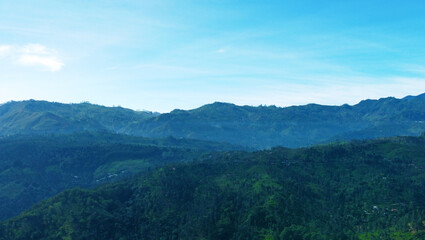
[(41, 117), (358, 190), (35, 168), (265, 127), (256, 127)]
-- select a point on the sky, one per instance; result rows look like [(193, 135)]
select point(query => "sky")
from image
[(163, 55)]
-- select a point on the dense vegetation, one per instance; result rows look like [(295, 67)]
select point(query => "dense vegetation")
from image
[(359, 190), (264, 127), (41, 117), (34, 168), (258, 127)]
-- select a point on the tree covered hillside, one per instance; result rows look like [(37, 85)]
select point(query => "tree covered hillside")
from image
[(264, 127), (35, 168), (256, 127), (358, 190), (42, 117)]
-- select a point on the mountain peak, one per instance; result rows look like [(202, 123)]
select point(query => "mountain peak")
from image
[(410, 97)]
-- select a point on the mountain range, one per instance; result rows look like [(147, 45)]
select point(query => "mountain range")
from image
[(255, 127), (221, 171)]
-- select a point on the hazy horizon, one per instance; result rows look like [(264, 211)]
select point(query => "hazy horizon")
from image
[(155, 111)]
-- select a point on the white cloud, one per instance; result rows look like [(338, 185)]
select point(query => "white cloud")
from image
[(32, 55), (4, 50), (36, 49), (50, 63)]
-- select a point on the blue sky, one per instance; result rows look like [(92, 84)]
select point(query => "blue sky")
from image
[(161, 55)]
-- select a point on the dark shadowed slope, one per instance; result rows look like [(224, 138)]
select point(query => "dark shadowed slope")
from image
[(35, 168), (358, 190)]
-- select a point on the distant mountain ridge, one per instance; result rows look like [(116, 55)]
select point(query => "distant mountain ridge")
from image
[(258, 127), (42, 117)]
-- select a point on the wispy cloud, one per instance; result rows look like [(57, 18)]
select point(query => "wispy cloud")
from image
[(413, 68), (32, 55), (221, 50), (166, 71), (37, 49), (4, 50)]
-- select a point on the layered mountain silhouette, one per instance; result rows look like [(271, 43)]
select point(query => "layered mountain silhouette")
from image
[(195, 179), (256, 127)]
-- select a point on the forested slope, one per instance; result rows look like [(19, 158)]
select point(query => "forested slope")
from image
[(35, 168), (42, 117), (358, 190), (297, 126), (256, 127)]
